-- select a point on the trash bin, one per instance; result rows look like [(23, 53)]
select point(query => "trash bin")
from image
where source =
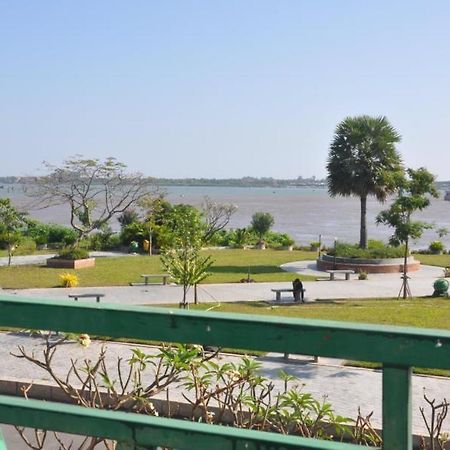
[(134, 246), (440, 288), (146, 245)]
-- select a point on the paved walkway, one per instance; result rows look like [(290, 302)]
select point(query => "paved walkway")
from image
[(377, 285), (345, 387)]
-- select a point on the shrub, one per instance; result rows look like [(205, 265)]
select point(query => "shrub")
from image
[(73, 253), (61, 234), (69, 280), (314, 246), (104, 240), (274, 239), (362, 275), (39, 232), (436, 247), (26, 246), (133, 232), (375, 250)]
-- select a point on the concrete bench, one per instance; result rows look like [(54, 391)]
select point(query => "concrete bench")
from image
[(146, 277), (96, 296), (346, 272), (278, 293)]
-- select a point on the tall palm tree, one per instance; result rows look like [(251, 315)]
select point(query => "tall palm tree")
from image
[(363, 161)]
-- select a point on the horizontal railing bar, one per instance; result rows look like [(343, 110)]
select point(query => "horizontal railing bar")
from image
[(143, 430), (401, 346)]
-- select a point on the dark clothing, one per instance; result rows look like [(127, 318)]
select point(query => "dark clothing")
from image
[(297, 286)]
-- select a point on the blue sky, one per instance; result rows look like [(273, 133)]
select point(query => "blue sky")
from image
[(219, 88)]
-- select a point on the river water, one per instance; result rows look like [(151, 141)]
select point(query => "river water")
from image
[(302, 212)]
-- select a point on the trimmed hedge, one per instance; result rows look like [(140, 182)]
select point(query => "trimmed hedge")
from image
[(73, 253), (375, 250)]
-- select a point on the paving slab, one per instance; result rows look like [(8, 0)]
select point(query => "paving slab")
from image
[(346, 388), (376, 286)]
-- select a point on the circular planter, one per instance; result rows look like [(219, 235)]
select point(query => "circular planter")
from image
[(388, 265), (58, 263)]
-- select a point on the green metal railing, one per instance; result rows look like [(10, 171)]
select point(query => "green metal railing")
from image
[(398, 349)]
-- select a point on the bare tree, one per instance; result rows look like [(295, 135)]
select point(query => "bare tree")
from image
[(216, 216), (94, 191)]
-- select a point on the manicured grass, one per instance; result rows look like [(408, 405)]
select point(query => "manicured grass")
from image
[(434, 260), (22, 252), (418, 370), (418, 312), (229, 266)]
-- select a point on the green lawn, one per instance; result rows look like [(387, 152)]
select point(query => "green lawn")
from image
[(434, 260), (418, 312), (21, 252), (229, 266)]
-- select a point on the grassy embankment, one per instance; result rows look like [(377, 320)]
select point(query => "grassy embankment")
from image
[(229, 266), (417, 312)]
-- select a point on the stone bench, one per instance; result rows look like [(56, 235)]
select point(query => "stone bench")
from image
[(96, 296), (346, 272), (278, 293), (146, 277)]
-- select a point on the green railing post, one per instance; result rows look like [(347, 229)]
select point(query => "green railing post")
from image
[(397, 428), (2, 441)]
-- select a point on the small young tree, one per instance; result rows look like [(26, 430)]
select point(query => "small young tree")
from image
[(12, 222), (181, 256), (94, 191), (261, 223), (414, 195)]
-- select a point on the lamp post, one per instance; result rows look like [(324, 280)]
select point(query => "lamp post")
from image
[(334, 258)]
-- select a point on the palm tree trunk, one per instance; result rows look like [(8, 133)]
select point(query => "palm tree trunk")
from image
[(363, 226)]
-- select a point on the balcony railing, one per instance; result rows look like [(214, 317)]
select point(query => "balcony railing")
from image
[(398, 349)]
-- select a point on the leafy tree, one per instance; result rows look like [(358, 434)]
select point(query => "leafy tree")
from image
[(183, 238), (38, 231), (157, 210), (128, 217), (413, 195), (261, 223), (363, 161), (12, 223), (94, 191)]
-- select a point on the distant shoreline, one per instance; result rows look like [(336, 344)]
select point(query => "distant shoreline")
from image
[(245, 182)]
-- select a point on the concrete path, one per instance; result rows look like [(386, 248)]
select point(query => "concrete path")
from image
[(377, 285), (344, 387)]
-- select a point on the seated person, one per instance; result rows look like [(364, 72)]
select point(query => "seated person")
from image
[(297, 287)]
